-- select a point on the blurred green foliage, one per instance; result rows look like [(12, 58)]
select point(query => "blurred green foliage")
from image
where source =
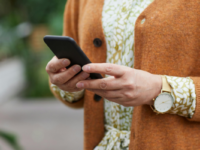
[(37, 77), (18, 19), (11, 139)]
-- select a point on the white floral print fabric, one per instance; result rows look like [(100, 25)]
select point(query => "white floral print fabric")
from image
[(183, 91), (114, 139), (68, 96), (118, 18)]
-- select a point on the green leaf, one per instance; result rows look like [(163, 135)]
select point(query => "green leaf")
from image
[(11, 139)]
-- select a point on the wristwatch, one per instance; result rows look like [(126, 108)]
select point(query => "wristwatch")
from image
[(164, 101)]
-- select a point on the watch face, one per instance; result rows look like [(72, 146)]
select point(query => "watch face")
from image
[(163, 102)]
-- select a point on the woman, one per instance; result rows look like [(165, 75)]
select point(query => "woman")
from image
[(151, 50)]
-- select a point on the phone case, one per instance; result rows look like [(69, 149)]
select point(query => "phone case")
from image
[(66, 47)]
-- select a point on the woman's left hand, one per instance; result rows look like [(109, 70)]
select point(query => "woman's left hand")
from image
[(125, 86)]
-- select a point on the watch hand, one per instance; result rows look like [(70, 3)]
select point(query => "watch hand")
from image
[(164, 102)]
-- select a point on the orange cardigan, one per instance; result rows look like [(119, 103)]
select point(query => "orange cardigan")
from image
[(168, 42)]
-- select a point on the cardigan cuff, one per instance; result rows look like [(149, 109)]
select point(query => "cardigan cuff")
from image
[(196, 116), (76, 104)]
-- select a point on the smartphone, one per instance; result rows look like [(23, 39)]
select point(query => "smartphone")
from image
[(66, 47)]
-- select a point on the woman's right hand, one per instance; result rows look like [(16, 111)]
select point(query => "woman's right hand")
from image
[(64, 78)]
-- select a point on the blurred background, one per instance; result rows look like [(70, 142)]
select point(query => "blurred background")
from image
[(30, 117)]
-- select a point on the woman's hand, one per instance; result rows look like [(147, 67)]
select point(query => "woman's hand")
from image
[(125, 86), (64, 78)]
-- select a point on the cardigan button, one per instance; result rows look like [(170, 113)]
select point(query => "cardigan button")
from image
[(143, 20), (97, 42), (97, 97)]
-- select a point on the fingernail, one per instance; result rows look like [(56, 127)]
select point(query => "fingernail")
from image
[(85, 75), (79, 85), (65, 62), (86, 68), (77, 68)]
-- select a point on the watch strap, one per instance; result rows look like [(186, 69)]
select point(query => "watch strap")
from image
[(165, 85), (165, 88)]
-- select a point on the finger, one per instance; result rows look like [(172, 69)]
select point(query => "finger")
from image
[(105, 68), (62, 77), (72, 83), (56, 64), (110, 83), (108, 94), (63, 69)]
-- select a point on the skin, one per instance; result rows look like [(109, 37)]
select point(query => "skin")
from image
[(64, 78), (125, 85)]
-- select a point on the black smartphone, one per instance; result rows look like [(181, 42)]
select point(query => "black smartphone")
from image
[(66, 47)]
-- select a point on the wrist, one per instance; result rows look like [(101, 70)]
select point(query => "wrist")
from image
[(157, 85)]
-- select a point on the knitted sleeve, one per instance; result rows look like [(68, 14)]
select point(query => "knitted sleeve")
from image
[(70, 28), (196, 116)]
